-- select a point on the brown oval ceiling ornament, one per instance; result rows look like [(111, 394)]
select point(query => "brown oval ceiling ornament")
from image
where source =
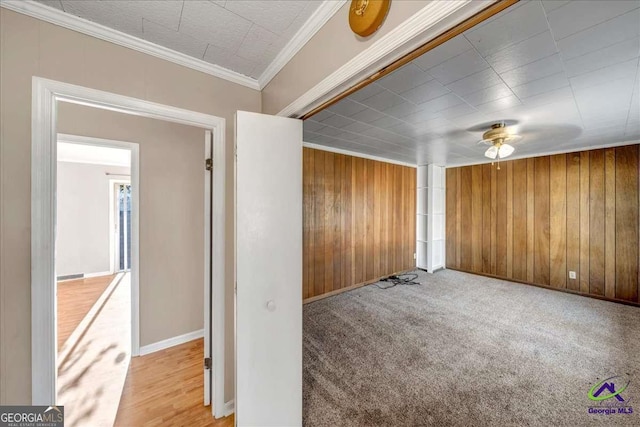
[(366, 16)]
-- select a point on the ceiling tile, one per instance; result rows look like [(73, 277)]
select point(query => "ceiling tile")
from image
[(550, 5), (499, 104), (533, 71), (347, 107), (275, 16), (106, 13), (488, 94), (625, 70), (512, 26), (475, 82), (441, 103), (216, 25), (606, 101), (368, 115), (405, 78), (357, 127), (383, 100), (259, 42), (331, 131), (539, 86), (312, 126), (386, 122), (445, 51), (173, 40), (456, 111), (517, 55), (610, 32), (225, 58), (402, 110), (458, 67), (366, 92), (322, 115), (52, 3), (165, 12), (582, 14), (611, 55), (425, 92), (337, 121)]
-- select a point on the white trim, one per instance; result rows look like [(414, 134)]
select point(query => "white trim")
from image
[(171, 342), (320, 16), (45, 96), (356, 154), (546, 153), (435, 18), (101, 273), (84, 26), (208, 320), (229, 408)]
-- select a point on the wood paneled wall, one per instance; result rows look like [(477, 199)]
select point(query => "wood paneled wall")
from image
[(537, 219), (359, 220)]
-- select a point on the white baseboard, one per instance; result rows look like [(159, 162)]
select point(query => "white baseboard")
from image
[(229, 408), (171, 342)]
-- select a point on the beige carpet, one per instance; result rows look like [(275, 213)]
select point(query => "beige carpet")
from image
[(464, 350)]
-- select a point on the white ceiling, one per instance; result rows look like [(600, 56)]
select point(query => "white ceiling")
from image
[(93, 154), (567, 71), (242, 36)]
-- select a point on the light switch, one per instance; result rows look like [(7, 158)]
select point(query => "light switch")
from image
[(572, 275)]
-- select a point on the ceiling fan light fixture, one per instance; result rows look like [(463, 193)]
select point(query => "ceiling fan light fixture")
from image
[(505, 150), (492, 152)]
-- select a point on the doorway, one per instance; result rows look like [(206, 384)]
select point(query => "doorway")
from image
[(46, 92)]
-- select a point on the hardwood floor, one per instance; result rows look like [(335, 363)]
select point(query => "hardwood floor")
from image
[(165, 389), (75, 299)]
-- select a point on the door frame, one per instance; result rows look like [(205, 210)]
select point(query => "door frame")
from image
[(114, 243), (45, 97)]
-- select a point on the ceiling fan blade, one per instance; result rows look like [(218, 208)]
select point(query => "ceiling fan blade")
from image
[(505, 150), (481, 127), (492, 152)]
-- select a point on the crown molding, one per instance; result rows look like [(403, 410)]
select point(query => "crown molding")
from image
[(415, 31), (84, 26), (322, 14)]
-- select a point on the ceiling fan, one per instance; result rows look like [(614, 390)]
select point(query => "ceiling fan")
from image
[(498, 138)]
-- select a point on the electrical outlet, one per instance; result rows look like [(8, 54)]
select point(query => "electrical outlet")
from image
[(572, 275), (415, 256)]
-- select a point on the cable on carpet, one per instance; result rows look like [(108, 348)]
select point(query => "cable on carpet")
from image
[(408, 279)]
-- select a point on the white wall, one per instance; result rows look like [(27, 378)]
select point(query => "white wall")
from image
[(83, 217)]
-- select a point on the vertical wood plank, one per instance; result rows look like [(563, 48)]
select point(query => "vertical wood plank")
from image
[(558, 221), (584, 221), (627, 223), (541, 220), (503, 220), (318, 248), (370, 197), (509, 219), (458, 218), (346, 223), (329, 221), (520, 219), (573, 220), (337, 221), (377, 219), (530, 220), (610, 223), (486, 218), (358, 215), (476, 217), (596, 222), (494, 220), (452, 196), (465, 212)]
